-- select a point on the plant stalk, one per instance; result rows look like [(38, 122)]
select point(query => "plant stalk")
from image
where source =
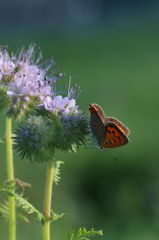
[(48, 199), (10, 177)]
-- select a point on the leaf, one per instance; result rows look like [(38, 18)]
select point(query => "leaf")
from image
[(56, 216), (25, 205), (57, 177), (22, 217), (4, 210), (84, 234)]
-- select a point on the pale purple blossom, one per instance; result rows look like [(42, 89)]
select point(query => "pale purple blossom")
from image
[(60, 104), (29, 80), (30, 77), (7, 66), (28, 74)]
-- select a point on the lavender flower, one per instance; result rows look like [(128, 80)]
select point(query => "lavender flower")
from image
[(30, 78), (6, 64), (60, 104), (25, 80)]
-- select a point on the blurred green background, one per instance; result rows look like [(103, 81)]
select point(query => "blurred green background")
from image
[(110, 48)]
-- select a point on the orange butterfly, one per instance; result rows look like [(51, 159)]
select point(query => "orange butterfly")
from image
[(108, 131)]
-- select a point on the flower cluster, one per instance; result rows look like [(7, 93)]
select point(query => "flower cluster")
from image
[(25, 79), (62, 105), (48, 120), (30, 77)]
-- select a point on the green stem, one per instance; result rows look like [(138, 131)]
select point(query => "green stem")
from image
[(10, 177), (47, 200)]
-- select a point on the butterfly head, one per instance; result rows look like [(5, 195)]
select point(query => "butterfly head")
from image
[(93, 108)]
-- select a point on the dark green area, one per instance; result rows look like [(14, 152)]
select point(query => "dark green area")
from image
[(118, 69)]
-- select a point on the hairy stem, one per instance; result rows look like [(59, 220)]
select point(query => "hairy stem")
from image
[(48, 199), (10, 177)]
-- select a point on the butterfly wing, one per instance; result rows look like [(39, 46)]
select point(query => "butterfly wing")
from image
[(98, 111), (119, 124), (114, 136), (97, 123)]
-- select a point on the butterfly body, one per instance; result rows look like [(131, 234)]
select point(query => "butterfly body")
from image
[(109, 132)]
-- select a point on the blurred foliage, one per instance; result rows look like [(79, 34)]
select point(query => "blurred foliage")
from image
[(117, 67), (84, 234)]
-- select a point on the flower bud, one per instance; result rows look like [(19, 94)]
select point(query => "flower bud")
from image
[(31, 140)]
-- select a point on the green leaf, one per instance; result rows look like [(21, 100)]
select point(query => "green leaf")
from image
[(4, 210), (22, 217), (25, 205), (56, 216), (84, 234), (57, 177)]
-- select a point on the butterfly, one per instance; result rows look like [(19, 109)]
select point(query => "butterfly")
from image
[(108, 131)]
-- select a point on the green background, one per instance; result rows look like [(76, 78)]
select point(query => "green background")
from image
[(116, 66)]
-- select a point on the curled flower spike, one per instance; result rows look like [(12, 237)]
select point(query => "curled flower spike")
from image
[(37, 137), (72, 132), (31, 139)]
